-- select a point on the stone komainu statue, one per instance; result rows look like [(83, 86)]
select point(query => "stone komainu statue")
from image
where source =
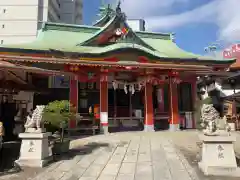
[(34, 123), (211, 120)]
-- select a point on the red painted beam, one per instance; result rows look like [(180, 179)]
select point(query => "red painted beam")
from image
[(143, 59)]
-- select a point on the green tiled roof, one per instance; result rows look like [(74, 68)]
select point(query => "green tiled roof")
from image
[(168, 47), (68, 38)]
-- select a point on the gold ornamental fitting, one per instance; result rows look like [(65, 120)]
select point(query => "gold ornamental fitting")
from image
[(1, 129)]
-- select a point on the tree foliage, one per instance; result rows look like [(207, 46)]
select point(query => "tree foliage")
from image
[(58, 114)]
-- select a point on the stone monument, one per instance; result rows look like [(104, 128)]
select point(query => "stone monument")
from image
[(35, 151), (218, 156)]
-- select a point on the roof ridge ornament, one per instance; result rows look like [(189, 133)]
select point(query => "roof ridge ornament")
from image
[(118, 8), (109, 9), (106, 10), (119, 12)]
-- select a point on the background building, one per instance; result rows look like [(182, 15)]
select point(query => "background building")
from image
[(20, 19), (223, 87), (71, 11), (136, 24)]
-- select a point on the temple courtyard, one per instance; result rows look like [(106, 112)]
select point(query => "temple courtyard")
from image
[(127, 156)]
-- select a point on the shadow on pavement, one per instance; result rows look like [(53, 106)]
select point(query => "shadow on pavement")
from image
[(8, 154), (81, 150)]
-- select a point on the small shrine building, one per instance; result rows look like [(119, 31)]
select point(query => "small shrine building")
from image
[(110, 52)]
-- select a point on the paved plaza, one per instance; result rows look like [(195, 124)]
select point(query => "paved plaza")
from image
[(126, 156)]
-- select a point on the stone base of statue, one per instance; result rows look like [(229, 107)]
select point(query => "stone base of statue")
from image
[(35, 150), (232, 126), (35, 130), (218, 156)]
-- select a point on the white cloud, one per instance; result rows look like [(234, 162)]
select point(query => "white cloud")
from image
[(146, 8), (143, 8), (159, 15), (228, 20), (201, 14)]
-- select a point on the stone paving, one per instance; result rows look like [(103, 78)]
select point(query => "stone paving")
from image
[(126, 157)]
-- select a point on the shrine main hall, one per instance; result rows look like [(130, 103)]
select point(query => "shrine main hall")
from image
[(129, 78)]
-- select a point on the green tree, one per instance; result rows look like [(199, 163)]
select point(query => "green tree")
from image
[(57, 114)]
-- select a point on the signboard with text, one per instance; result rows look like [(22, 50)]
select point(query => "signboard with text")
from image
[(232, 52), (59, 82)]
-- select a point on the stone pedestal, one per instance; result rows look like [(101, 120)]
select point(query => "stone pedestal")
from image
[(232, 126), (174, 127), (218, 157), (35, 151), (104, 130), (149, 128)]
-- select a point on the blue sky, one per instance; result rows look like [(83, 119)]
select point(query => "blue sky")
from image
[(197, 23)]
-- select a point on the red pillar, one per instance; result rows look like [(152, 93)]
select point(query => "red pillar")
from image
[(73, 98), (104, 103), (174, 112), (148, 122)]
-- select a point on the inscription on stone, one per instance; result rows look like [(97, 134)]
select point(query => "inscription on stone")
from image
[(220, 152), (31, 149)]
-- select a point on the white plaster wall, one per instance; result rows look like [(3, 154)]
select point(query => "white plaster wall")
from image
[(19, 2), (20, 12), (226, 92), (24, 28), (20, 19), (230, 92)]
